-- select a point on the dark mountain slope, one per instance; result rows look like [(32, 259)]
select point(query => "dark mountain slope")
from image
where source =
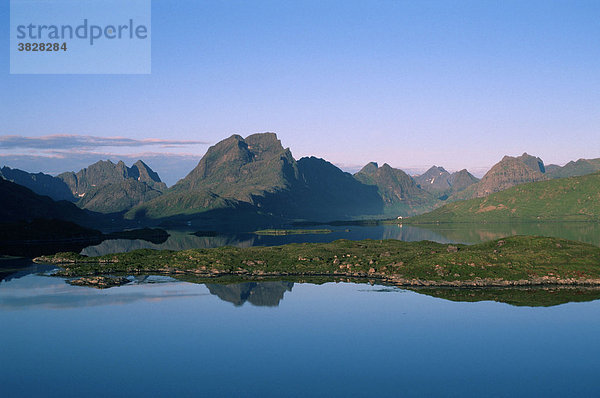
[(40, 183), (18, 203), (399, 192), (243, 169)]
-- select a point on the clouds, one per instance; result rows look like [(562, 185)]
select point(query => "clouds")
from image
[(81, 142), (54, 154)]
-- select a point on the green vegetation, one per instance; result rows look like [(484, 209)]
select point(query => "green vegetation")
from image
[(276, 232), (565, 199), (519, 260)]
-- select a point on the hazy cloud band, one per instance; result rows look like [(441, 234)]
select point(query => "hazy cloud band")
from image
[(68, 141)]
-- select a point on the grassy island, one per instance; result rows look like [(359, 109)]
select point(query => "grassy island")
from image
[(511, 261)]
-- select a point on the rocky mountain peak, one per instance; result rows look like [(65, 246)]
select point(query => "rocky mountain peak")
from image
[(510, 171), (369, 168), (533, 162)]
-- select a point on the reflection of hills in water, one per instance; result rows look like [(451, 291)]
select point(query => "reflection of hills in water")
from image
[(409, 233), (182, 240), (177, 241), (587, 232), (264, 294), (442, 233), (17, 268)]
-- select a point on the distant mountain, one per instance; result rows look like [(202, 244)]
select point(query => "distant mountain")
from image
[(399, 191), (510, 171), (40, 183), (564, 199), (435, 180), (461, 180), (108, 187), (573, 169), (258, 171), (18, 203), (118, 196), (442, 184)]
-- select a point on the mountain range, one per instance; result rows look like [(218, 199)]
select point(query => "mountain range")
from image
[(258, 171), (512, 171), (441, 183), (257, 175), (560, 199)]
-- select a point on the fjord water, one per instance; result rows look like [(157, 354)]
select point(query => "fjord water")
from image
[(161, 337), (170, 338), (587, 232)]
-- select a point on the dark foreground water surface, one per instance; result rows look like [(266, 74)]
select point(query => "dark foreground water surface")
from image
[(163, 338)]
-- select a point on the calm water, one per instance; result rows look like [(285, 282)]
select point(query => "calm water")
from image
[(162, 337), (448, 233)]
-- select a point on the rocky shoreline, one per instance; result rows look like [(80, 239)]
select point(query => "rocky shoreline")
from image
[(105, 281)]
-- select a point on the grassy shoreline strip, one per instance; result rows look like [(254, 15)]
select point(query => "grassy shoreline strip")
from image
[(511, 261)]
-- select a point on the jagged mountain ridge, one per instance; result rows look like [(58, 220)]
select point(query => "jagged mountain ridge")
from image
[(398, 190), (441, 183), (109, 187)]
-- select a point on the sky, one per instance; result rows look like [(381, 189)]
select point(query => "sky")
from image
[(457, 84)]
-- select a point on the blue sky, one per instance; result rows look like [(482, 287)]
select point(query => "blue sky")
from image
[(410, 83)]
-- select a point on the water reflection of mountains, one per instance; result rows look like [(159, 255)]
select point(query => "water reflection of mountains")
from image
[(17, 268), (271, 293), (177, 241), (182, 240), (264, 294), (587, 232)]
